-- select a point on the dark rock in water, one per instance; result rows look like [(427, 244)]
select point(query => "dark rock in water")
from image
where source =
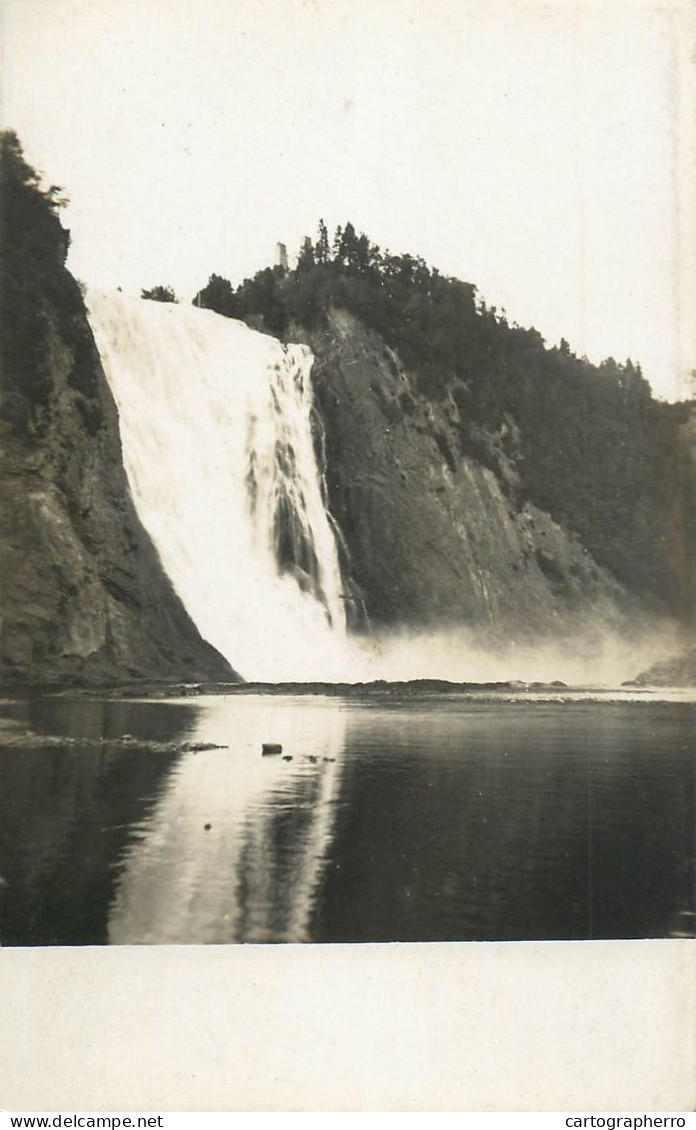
[(271, 749), (207, 827), (20, 736), (287, 757), (200, 747)]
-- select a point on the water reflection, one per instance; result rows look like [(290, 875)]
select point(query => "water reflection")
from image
[(432, 819), (235, 848), (66, 812)]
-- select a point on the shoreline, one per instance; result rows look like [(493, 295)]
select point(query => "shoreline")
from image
[(375, 689)]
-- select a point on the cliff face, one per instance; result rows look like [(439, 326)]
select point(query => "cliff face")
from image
[(83, 596), (679, 671), (456, 485), (433, 537), (585, 444)]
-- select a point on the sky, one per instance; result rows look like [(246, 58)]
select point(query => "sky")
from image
[(544, 150)]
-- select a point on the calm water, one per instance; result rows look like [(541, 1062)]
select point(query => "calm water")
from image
[(446, 818)]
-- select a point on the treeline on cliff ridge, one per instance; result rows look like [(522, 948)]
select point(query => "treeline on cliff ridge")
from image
[(588, 443)]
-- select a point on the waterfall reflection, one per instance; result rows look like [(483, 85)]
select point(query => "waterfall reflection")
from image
[(235, 849)]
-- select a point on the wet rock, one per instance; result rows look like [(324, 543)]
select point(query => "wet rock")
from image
[(200, 747)]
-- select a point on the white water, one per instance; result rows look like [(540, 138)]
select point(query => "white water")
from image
[(216, 429), (242, 882), (217, 442)]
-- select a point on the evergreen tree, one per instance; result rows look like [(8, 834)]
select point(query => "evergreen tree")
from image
[(306, 259), (321, 248), (337, 243), (348, 248)]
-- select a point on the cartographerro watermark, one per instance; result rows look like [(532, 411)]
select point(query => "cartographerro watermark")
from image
[(619, 1122)]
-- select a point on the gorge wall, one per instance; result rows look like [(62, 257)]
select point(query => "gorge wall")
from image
[(432, 537), (479, 476), (468, 481), (83, 596)]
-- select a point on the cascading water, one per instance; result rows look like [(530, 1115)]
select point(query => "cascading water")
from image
[(216, 428)]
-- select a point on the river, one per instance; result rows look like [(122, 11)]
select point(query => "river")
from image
[(387, 817)]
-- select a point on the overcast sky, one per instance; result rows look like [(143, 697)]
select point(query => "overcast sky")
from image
[(543, 151)]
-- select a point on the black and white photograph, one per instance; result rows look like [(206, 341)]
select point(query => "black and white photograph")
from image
[(348, 484)]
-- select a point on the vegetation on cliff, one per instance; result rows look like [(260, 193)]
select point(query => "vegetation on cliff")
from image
[(33, 281), (159, 294), (586, 443), (84, 597)]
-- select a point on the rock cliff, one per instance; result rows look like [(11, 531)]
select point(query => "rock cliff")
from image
[(83, 596), (678, 671), (431, 536), (546, 485), (463, 488)]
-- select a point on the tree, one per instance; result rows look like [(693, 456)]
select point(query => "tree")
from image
[(337, 241), (306, 260), (348, 248), (363, 253), (159, 294), (321, 248), (35, 290), (29, 224), (219, 296), (16, 176)]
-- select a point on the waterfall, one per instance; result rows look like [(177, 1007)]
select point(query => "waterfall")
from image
[(219, 450), (216, 428)]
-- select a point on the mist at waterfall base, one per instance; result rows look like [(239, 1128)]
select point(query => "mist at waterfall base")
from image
[(223, 454)]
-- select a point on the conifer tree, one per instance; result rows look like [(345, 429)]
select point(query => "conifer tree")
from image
[(321, 248)]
